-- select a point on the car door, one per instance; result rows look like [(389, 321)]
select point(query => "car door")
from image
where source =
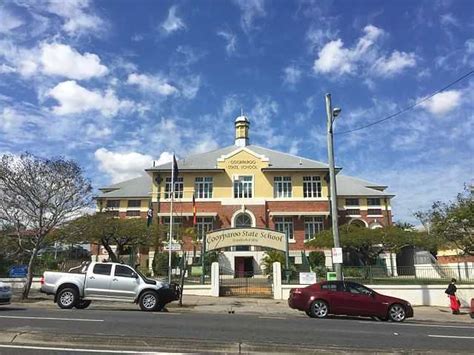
[(124, 283), (333, 291), (98, 281), (360, 301)]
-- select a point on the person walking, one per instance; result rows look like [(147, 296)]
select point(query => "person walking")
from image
[(451, 291)]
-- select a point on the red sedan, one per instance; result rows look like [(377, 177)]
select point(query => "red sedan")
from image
[(348, 298)]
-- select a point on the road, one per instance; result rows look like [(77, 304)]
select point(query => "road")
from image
[(130, 330)]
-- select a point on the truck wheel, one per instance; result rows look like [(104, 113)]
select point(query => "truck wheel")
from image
[(148, 301), (67, 298), (82, 304)]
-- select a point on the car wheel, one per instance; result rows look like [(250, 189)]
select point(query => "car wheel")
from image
[(82, 304), (308, 313), (67, 298), (149, 301), (319, 309), (396, 313)]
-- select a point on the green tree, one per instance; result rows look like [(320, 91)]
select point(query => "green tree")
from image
[(37, 196), (451, 224), (105, 229), (367, 243), (270, 257)]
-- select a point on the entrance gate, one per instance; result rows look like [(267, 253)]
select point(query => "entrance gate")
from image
[(234, 283)]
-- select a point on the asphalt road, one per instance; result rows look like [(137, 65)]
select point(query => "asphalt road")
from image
[(133, 330)]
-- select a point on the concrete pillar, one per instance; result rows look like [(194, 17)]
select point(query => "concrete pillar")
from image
[(151, 257), (215, 279), (277, 292)]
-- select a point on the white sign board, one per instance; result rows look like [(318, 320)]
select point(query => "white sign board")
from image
[(307, 278), (174, 246), (230, 237), (337, 255)]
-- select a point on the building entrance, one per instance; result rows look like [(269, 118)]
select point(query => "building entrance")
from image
[(243, 266)]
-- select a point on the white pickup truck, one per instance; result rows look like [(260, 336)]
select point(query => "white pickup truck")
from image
[(107, 282)]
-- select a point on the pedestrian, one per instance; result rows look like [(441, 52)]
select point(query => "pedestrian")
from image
[(451, 291)]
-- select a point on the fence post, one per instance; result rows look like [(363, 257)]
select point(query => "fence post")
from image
[(215, 279), (277, 292)]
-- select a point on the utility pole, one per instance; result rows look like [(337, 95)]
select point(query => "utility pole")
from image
[(331, 116)]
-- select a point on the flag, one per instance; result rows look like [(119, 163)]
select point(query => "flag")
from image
[(149, 217), (175, 171), (194, 212)]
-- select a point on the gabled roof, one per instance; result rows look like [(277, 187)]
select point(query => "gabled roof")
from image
[(277, 160), (137, 187), (350, 186)]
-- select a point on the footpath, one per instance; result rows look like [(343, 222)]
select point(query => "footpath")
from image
[(237, 305)]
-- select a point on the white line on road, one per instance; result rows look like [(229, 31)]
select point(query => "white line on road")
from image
[(426, 325), (79, 350), (450, 336), (50, 318), (272, 317)]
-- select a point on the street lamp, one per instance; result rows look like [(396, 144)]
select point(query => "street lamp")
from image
[(331, 117)]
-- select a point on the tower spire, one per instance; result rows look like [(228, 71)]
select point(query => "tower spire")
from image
[(242, 124)]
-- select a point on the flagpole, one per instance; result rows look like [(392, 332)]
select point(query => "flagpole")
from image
[(171, 220)]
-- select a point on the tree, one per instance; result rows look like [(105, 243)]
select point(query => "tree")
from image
[(38, 195), (270, 257), (105, 229), (451, 223), (367, 243)]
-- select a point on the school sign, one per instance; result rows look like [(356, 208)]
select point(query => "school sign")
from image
[(266, 238)]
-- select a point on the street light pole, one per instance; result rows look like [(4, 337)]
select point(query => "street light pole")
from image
[(331, 116)]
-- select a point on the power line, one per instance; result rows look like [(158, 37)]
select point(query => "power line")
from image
[(408, 108)]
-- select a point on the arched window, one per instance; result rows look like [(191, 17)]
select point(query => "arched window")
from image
[(243, 220)]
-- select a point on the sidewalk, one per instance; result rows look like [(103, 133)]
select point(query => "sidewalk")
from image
[(260, 306)]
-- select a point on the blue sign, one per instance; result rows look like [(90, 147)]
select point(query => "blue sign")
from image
[(18, 271)]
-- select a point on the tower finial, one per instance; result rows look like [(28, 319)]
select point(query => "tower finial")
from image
[(241, 111)]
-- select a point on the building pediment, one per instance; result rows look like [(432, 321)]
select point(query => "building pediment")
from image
[(242, 159)]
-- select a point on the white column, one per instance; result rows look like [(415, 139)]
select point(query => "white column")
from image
[(151, 257), (277, 293), (215, 279)]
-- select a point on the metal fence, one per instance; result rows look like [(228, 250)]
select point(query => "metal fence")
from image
[(418, 274)]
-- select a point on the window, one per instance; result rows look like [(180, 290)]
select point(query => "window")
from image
[(102, 269), (352, 202), (312, 226), (332, 286), (282, 186), (311, 186), (203, 226), (133, 213), (178, 187), (203, 187), (123, 271), (177, 223), (243, 220), (374, 212), (284, 225), (243, 187), (353, 212), (373, 202), (134, 203), (113, 213), (113, 203), (357, 289)]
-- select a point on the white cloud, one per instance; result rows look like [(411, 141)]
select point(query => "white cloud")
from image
[(231, 40), (442, 103), (251, 9), (190, 86), (394, 64), (8, 21), (173, 23), (73, 98), (76, 15), (5, 69), (333, 58), (336, 59), (153, 84), (122, 166), (10, 120), (292, 75), (62, 60)]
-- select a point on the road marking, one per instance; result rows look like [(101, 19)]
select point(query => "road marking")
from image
[(269, 317), (425, 325), (450, 336), (79, 350), (51, 318)]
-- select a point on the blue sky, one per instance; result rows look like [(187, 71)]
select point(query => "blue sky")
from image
[(116, 84)]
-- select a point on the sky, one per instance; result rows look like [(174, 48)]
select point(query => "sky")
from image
[(117, 84)]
